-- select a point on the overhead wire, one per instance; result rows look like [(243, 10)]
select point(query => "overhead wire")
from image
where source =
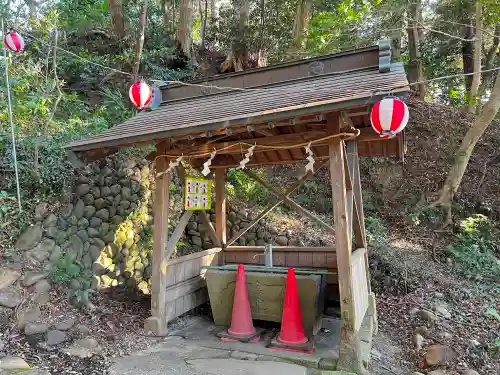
[(251, 88)]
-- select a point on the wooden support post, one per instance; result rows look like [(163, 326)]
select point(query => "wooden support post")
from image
[(220, 206), (157, 323), (350, 358)]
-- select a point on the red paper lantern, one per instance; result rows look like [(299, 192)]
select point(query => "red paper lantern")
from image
[(389, 117), (14, 42), (140, 94)]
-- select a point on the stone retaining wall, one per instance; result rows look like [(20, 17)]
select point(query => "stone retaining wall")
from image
[(104, 237)]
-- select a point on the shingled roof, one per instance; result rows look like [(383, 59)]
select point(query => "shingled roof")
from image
[(244, 104)]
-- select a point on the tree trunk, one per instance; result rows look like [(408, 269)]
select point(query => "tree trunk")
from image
[(302, 17), (32, 8), (489, 60), (184, 36), (116, 11), (167, 17), (237, 58), (476, 78), (415, 68), (468, 48), (470, 140), (262, 58), (140, 39), (213, 12), (240, 48), (203, 22)]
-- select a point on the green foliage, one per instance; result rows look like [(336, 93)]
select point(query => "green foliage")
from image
[(315, 196), (495, 314), (65, 270), (376, 232), (477, 247), (243, 187), (425, 215), (8, 205)]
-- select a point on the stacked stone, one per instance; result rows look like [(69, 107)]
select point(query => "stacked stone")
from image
[(237, 219), (104, 238), (106, 232)]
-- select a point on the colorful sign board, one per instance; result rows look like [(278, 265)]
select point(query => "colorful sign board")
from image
[(198, 194)]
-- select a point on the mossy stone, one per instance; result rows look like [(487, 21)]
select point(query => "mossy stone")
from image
[(96, 192), (117, 219), (99, 203), (95, 222), (104, 229), (92, 232), (99, 243), (89, 211), (83, 235), (109, 237), (78, 209), (94, 252), (115, 189), (83, 223), (88, 199), (102, 214)]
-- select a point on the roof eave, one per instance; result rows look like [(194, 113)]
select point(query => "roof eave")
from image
[(245, 120)]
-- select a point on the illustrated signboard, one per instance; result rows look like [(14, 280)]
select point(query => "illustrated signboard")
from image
[(198, 194)]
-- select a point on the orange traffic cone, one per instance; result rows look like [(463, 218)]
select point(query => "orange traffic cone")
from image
[(242, 328), (291, 336)]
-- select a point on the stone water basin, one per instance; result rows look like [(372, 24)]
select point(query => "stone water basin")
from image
[(266, 291)]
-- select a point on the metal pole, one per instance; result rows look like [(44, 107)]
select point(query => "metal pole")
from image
[(14, 154)]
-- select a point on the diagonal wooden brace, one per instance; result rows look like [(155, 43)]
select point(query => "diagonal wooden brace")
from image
[(272, 206), (289, 201)]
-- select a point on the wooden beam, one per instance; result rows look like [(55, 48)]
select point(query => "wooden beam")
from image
[(178, 232), (220, 205), (289, 201), (281, 248), (350, 357), (366, 135), (218, 163), (278, 140), (210, 229), (272, 206), (157, 323)]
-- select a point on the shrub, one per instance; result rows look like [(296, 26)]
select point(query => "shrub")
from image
[(476, 248)]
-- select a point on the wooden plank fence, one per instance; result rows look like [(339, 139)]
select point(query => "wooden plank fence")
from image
[(360, 287), (186, 285)]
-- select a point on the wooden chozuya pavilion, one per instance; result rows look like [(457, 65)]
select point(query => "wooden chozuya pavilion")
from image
[(279, 109)]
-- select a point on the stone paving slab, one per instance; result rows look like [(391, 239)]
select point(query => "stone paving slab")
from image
[(181, 357), (194, 349)]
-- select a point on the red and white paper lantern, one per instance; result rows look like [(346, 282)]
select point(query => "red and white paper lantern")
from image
[(140, 94), (389, 117), (14, 42)]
